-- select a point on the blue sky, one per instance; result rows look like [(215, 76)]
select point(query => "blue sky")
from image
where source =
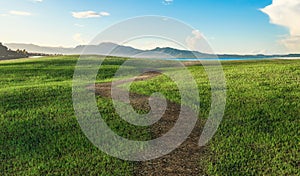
[(230, 26)]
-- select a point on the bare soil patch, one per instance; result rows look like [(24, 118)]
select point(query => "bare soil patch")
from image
[(186, 159)]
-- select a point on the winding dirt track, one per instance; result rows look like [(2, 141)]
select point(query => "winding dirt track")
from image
[(186, 159)]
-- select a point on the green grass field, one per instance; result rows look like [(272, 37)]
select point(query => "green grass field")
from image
[(259, 134)]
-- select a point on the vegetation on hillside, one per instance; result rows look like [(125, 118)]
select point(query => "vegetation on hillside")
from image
[(6, 53)]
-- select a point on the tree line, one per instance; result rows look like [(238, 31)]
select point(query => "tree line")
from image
[(6, 53)]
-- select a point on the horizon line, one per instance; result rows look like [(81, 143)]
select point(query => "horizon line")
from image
[(74, 46)]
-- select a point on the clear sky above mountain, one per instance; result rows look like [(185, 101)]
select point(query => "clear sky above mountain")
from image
[(230, 26)]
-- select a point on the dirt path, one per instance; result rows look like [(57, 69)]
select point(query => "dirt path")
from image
[(186, 159)]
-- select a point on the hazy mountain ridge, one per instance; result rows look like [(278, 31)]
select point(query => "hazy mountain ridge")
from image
[(127, 51), (38, 49)]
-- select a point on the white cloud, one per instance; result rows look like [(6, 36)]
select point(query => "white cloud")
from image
[(192, 41), (37, 0), (86, 14), (104, 13), (292, 43), (78, 25), (286, 13), (78, 38), (89, 14), (20, 13), (167, 2)]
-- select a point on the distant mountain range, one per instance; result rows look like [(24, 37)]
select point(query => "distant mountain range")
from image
[(113, 49)]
